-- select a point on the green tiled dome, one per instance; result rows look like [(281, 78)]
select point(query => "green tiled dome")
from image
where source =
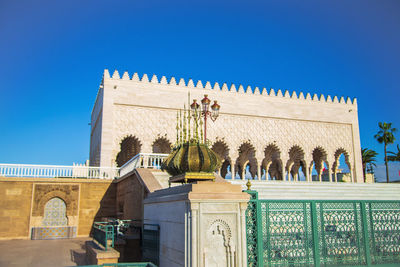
[(191, 157)]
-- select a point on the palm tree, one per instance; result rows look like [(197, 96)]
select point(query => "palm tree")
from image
[(394, 156), (385, 135), (368, 158)]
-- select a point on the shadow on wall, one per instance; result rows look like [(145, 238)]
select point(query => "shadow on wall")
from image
[(124, 200), (107, 209)]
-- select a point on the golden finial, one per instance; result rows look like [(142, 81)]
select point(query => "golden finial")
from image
[(248, 184), (196, 120), (188, 117), (184, 124)]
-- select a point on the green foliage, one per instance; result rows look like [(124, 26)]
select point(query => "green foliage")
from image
[(385, 136), (394, 156), (368, 159), (368, 156)]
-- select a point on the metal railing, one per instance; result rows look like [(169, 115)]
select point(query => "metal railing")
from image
[(54, 171), (322, 232), (103, 233), (143, 160), (124, 264)]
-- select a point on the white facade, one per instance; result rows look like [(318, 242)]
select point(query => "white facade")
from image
[(294, 129)]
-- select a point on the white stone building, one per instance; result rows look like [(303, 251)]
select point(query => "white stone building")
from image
[(275, 134)]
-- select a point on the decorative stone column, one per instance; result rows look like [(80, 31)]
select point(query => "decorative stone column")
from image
[(201, 224)]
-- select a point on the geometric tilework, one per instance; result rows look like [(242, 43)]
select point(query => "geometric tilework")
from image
[(148, 124), (39, 233), (55, 213)]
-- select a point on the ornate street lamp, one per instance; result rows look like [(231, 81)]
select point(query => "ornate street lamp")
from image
[(205, 104)]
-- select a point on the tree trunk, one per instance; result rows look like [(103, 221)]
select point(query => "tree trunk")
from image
[(364, 171), (386, 164)]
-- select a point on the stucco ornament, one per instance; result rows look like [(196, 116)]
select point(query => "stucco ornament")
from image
[(219, 250)]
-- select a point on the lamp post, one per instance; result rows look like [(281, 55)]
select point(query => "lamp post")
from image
[(205, 105)]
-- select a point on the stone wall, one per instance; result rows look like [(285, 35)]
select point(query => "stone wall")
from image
[(23, 200), (146, 109)]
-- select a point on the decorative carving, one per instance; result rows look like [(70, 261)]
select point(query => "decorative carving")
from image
[(147, 124), (44, 192), (219, 249)]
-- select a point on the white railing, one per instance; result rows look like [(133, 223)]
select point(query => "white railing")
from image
[(142, 160), (53, 171)]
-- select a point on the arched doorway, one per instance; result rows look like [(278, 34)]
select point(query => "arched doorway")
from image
[(320, 166), (341, 168), (222, 150), (272, 163), (296, 163), (246, 160)]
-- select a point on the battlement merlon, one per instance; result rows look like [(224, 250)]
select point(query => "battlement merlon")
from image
[(170, 94), (257, 91)]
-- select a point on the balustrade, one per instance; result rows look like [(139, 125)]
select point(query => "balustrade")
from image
[(142, 160)]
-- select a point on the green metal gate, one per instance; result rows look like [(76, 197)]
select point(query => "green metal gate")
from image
[(322, 233)]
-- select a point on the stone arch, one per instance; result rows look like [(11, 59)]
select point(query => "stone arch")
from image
[(272, 163), (55, 194), (338, 153), (222, 150), (296, 160), (247, 156), (319, 157), (55, 213), (161, 146), (129, 147)]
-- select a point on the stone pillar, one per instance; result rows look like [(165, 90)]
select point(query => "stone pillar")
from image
[(201, 224), (307, 173), (243, 241), (233, 171), (259, 172), (193, 227)]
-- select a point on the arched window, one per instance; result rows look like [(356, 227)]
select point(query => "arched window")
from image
[(55, 213), (162, 145), (222, 150), (246, 158), (130, 147)]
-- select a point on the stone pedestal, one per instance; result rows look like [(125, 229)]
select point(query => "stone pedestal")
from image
[(97, 256), (201, 224)]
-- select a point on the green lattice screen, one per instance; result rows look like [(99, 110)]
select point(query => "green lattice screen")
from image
[(322, 233)]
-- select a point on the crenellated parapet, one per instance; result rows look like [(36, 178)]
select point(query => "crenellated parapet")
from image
[(229, 89)]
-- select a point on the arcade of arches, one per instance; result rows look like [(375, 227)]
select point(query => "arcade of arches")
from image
[(294, 165)]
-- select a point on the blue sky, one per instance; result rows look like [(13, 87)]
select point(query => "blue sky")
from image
[(53, 53)]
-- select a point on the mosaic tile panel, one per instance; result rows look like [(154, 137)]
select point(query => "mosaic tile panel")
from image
[(55, 213), (39, 233)]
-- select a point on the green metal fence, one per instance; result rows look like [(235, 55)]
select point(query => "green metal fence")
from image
[(124, 264), (322, 233), (103, 233), (151, 243)]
